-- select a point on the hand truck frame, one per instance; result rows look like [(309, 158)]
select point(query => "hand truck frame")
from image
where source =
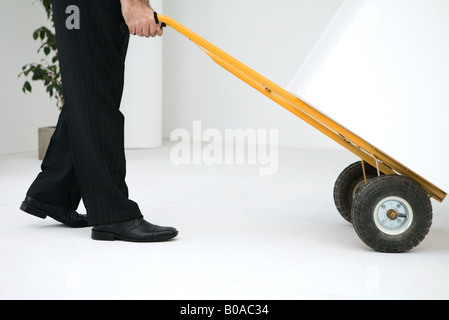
[(387, 203)]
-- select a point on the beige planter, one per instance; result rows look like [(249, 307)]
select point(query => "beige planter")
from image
[(44, 135)]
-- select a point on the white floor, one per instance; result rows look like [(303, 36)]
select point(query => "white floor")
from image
[(242, 236)]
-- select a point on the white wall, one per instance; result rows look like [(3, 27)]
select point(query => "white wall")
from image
[(271, 36), (21, 115)]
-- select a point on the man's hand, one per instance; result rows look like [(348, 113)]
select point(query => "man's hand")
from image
[(140, 18)]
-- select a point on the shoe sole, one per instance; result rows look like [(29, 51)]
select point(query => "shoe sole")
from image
[(43, 215), (33, 211), (109, 236)]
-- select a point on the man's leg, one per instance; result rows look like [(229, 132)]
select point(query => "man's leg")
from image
[(87, 153), (57, 185), (92, 127), (55, 192), (92, 64)]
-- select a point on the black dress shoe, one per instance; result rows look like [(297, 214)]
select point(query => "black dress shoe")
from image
[(41, 210), (137, 230)]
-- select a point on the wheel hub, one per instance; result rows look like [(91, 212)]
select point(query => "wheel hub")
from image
[(393, 215)]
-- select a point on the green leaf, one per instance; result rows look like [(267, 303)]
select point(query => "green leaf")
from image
[(47, 51), (50, 90), (37, 74), (26, 87)]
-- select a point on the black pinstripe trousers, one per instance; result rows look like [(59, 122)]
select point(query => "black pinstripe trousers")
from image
[(86, 157)]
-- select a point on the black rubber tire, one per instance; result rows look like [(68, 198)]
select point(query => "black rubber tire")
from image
[(344, 187), (380, 189)]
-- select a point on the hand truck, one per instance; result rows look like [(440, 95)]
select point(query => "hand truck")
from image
[(387, 203)]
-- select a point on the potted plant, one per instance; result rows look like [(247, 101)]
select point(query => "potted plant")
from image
[(46, 71)]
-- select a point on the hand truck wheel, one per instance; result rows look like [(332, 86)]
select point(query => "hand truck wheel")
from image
[(392, 214), (348, 184)]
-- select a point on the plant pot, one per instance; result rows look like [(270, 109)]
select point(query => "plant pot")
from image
[(44, 135)]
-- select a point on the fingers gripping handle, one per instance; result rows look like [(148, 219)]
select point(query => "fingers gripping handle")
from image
[(163, 25)]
